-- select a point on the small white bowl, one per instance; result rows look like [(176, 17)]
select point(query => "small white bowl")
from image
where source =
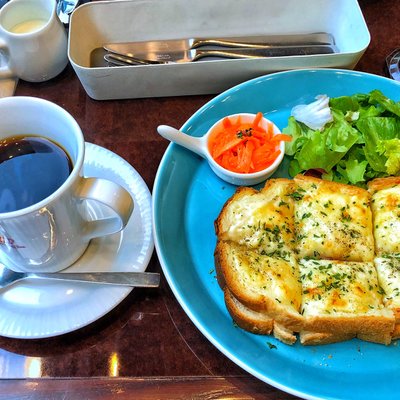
[(199, 145)]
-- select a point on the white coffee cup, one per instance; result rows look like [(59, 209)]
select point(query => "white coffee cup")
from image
[(53, 233), (33, 40)]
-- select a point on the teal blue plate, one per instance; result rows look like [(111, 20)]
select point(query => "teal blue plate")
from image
[(187, 197)]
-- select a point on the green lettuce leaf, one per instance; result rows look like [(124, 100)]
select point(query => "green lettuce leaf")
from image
[(362, 142), (353, 170), (345, 103), (340, 135), (374, 130), (391, 149), (294, 168), (377, 97), (294, 129), (316, 153)]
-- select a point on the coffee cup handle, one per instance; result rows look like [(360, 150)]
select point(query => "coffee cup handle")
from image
[(112, 195), (5, 71)]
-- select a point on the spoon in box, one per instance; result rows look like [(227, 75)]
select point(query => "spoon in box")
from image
[(133, 279)]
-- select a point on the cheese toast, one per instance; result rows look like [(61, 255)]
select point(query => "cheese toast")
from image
[(332, 221), (260, 220), (304, 258), (388, 270), (344, 298), (261, 283), (385, 207)]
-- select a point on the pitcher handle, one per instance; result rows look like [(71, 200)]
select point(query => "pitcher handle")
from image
[(5, 71)]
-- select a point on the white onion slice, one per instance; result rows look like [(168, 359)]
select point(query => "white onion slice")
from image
[(315, 115)]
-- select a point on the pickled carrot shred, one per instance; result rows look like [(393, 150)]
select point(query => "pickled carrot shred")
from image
[(245, 147)]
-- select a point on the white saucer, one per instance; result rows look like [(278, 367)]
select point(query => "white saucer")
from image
[(39, 309)]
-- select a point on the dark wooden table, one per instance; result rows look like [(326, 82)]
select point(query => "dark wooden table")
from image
[(160, 353)]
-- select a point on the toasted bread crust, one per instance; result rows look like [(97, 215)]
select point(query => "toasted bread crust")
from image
[(381, 337), (249, 320), (308, 338), (256, 322), (217, 262), (281, 181), (334, 187), (383, 183), (396, 332), (379, 325), (284, 334)]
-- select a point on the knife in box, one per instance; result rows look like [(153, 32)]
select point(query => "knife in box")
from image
[(166, 57), (133, 48)]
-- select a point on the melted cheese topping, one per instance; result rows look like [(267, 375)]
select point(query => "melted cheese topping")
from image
[(388, 270), (339, 288), (263, 221), (333, 222), (386, 213), (271, 277)]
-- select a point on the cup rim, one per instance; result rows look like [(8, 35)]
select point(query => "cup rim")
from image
[(77, 166), (13, 34)]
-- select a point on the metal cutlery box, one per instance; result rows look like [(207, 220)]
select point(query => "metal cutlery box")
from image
[(96, 23)]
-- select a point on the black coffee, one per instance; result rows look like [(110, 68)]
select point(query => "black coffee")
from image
[(31, 169)]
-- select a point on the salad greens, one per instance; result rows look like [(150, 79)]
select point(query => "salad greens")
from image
[(359, 140)]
